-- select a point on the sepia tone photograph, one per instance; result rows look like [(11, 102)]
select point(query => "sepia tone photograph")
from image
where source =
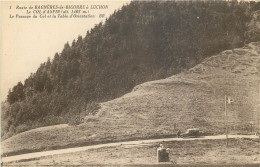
[(130, 83)]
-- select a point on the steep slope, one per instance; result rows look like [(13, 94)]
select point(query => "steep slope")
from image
[(194, 98)]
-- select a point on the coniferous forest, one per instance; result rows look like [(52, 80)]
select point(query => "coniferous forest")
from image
[(142, 41)]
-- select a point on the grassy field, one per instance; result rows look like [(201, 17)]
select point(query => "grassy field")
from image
[(194, 98), (239, 151)]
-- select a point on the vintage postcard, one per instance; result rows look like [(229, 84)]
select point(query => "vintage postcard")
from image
[(130, 83)]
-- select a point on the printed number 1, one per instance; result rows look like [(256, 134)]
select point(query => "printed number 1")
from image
[(10, 7)]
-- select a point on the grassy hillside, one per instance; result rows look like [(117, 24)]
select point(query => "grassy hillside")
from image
[(194, 98), (141, 42)]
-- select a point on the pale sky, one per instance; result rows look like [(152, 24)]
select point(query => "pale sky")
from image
[(26, 43)]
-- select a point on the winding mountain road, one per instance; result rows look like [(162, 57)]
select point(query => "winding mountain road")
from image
[(128, 144)]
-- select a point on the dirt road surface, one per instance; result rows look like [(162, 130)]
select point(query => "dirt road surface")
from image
[(123, 144)]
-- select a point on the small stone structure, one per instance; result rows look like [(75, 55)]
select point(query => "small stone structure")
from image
[(162, 154)]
